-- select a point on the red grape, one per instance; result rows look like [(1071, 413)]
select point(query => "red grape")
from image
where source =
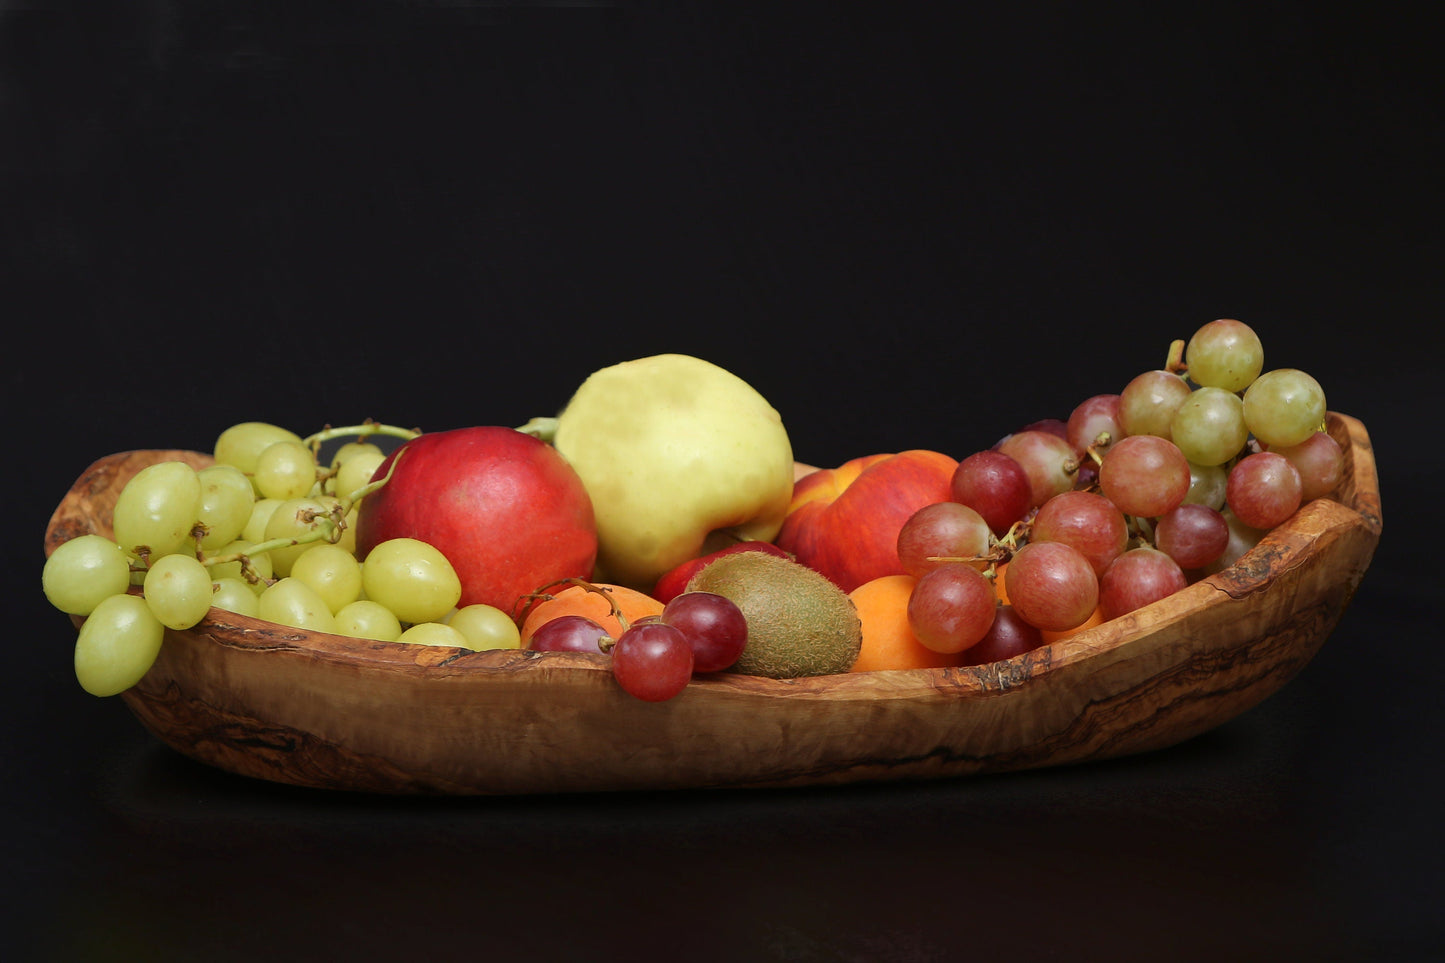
[(1087, 521), (1144, 475), (1048, 459), (652, 661), (951, 608), (996, 486), (942, 530), (1093, 417), (1192, 535), (1009, 636), (1148, 402), (1320, 462), (1138, 577), (568, 633), (714, 626), (1051, 585), (1263, 489)]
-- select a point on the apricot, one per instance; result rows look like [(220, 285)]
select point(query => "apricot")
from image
[(888, 642), (580, 600)]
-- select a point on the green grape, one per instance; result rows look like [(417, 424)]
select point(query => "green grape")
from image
[(355, 473), (365, 619), (285, 470), (292, 602), (1148, 402), (261, 512), (1209, 426), (1284, 407), (486, 627), (290, 520), (117, 645), (1206, 485), (241, 445), (351, 449), (236, 595), (434, 633), (158, 508), (1224, 354), (227, 499), (333, 572), (178, 590), (83, 572), (412, 579), (260, 564)]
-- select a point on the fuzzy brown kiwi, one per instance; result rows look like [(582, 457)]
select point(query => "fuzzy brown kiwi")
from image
[(799, 623)]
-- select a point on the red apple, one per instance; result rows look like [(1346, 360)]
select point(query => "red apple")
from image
[(505, 508), (844, 521), (674, 583)]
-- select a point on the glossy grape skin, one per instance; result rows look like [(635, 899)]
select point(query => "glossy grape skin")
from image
[(1148, 402), (996, 486), (434, 633), (951, 607), (365, 619), (1052, 586), (945, 530), (1320, 462), (292, 602), (412, 578), (1209, 426), (235, 595), (486, 627), (713, 625), (157, 508), (178, 590), (1138, 577), (83, 572), (241, 444), (1085, 520), (117, 644), (1264, 489), (1206, 485), (1048, 460), (1192, 535), (1094, 416), (1224, 354), (1284, 407), (569, 633), (1008, 636), (1144, 475), (225, 506), (652, 661)]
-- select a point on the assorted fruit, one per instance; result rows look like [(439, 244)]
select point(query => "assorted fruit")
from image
[(660, 522)]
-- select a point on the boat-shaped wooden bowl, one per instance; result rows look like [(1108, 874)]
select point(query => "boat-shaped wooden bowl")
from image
[(311, 709)]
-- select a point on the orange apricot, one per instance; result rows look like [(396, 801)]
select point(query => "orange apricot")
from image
[(888, 642), (579, 600)]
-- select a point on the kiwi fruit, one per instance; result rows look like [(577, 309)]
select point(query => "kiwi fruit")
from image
[(799, 623)]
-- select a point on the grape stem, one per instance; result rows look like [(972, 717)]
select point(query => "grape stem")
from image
[(361, 432), (543, 594), (1175, 360)]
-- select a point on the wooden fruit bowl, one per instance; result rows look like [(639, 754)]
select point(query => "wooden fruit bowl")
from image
[(311, 709)]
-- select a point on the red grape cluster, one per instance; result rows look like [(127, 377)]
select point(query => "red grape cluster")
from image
[(654, 658), (1129, 499)]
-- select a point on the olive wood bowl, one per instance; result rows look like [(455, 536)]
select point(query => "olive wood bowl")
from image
[(311, 709)]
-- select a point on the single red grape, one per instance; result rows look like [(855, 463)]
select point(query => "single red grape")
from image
[(942, 530), (714, 626), (996, 486), (1192, 535), (1009, 636), (1138, 577), (1144, 475), (1263, 489), (1051, 585), (568, 633), (1086, 520), (951, 607), (652, 661)]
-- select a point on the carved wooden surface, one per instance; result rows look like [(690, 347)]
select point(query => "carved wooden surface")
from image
[(276, 703)]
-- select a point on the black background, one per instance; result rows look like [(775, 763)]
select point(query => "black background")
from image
[(909, 225)]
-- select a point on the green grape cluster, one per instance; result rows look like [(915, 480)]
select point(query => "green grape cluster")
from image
[(266, 531)]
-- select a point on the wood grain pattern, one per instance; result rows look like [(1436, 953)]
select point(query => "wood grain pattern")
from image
[(310, 709)]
